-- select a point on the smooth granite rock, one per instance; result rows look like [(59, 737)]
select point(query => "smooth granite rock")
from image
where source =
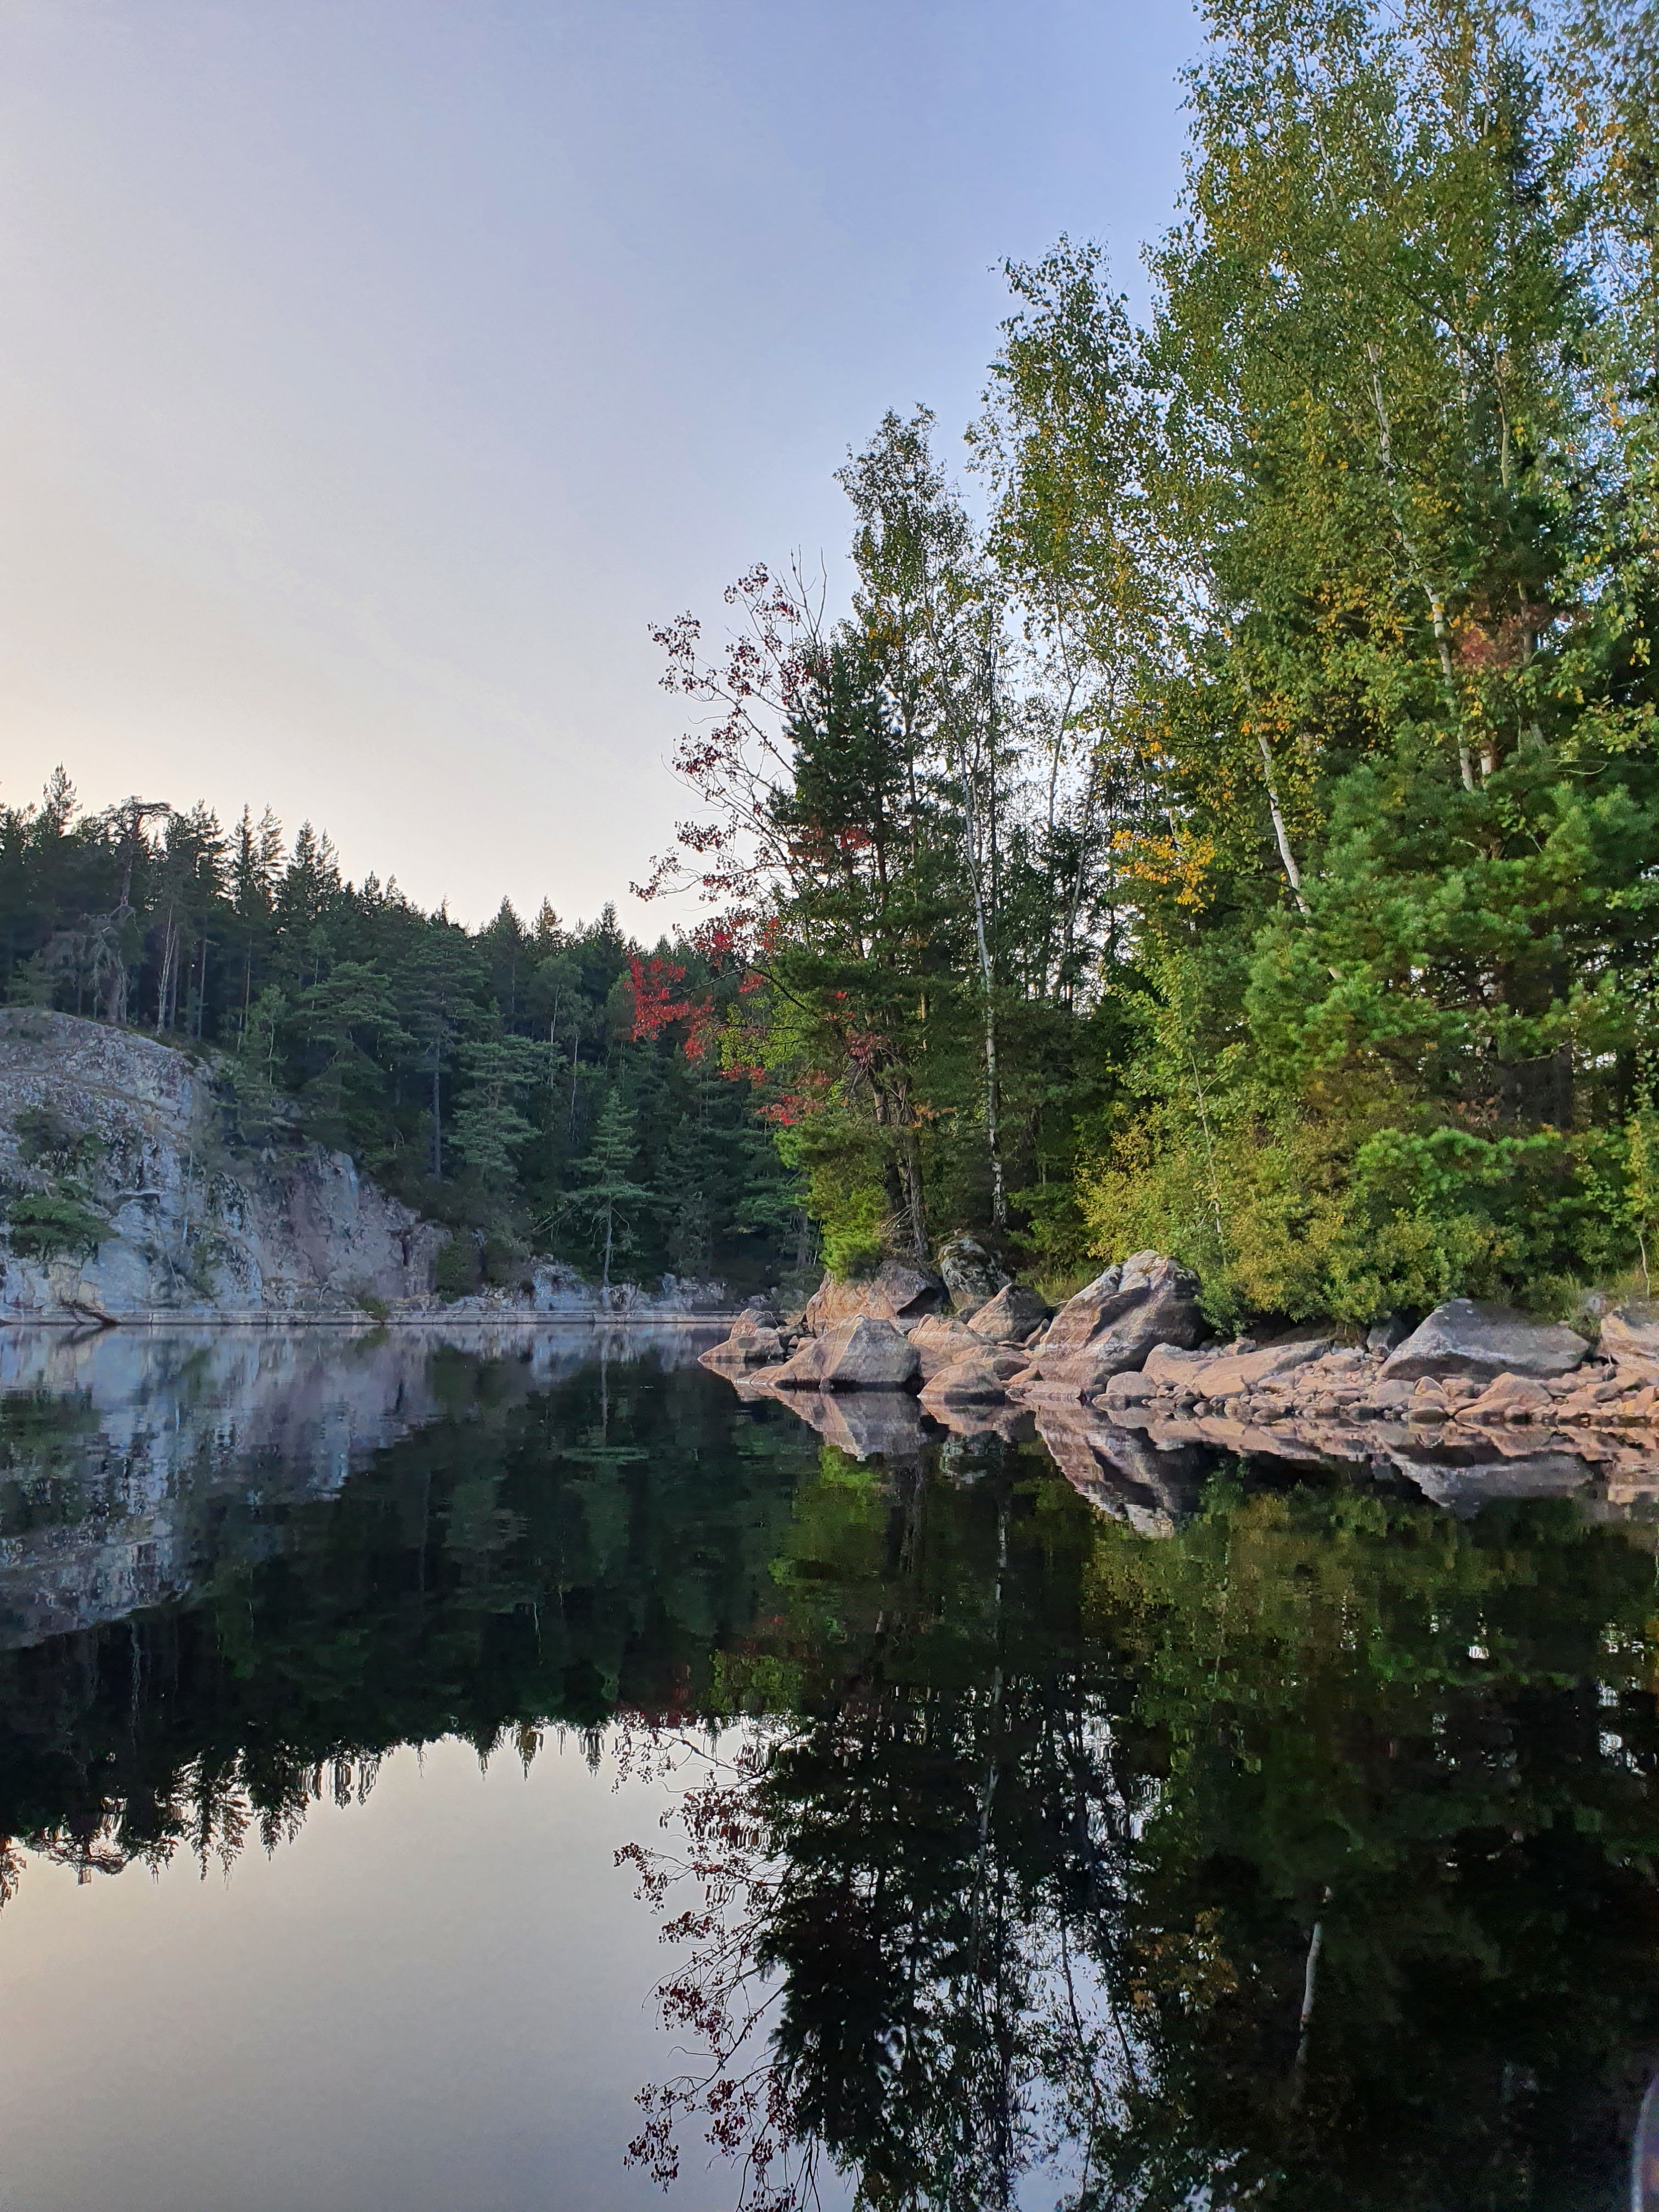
[(753, 1343), (1113, 1324), (865, 1354), (980, 1374), (1224, 1374), (832, 1304), (1485, 1341), (941, 1340), (1010, 1317), (901, 1293)]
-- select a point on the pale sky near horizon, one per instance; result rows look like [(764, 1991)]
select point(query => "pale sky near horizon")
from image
[(373, 374)]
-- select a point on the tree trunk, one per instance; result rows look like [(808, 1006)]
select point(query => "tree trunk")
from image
[(993, 1139), (1291, 871)]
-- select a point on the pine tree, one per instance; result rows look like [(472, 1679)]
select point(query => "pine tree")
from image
[(606, 1195), (488, 1127)]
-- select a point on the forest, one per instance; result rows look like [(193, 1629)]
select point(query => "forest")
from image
[(1225, 819), (515, 1083)]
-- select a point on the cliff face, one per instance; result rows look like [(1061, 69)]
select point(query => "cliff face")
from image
[(198, 1226)]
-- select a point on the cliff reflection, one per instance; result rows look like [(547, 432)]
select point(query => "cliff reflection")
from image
[(1302, 1856)]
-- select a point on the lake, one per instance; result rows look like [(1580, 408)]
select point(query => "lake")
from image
[(513, 1772)]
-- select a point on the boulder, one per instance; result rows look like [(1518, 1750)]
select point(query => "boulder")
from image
[(1630, 1334), (982, 1374), (803, 1371), (1485, 1341), (941, 1340), (1099, 1303), (972, 1275), (867, 1354), (833, 1303), (1388, 1397), (1132, 1388), (751, 1343), (1224, 1373), (1509, 1397), (1010, 1316), (1113, 1324), (903, 1293)]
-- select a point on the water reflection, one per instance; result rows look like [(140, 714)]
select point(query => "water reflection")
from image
[(1289, 1839)]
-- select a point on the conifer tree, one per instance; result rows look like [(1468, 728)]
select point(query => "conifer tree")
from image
[(607, 1195)]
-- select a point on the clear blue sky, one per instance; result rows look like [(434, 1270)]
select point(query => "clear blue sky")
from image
[(373, 373)]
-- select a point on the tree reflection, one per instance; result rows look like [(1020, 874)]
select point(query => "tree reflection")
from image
[(497, 1572), (1303, 1856), (1026, 1898)]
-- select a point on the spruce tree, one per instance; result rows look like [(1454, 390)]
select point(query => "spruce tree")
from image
[(606, 1195)]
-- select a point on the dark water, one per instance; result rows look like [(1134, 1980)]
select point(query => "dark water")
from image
[(1295, 1850)]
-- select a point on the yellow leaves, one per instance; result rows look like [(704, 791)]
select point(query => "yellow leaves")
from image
[(1178, 862)]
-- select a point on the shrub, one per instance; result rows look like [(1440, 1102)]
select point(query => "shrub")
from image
[(43, 1223)]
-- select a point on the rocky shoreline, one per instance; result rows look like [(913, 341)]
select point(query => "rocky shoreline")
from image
[(1129, 1397)]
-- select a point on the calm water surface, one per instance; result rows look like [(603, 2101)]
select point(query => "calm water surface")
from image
[(430, 1768)]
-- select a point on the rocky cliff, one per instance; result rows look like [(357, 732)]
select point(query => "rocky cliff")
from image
[(127, 1195)]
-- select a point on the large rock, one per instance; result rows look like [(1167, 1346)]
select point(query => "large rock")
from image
[(1224, 1373), (1113, 1324), (901, 1293), (896, 1292), (804, 1371), (981, 1376), (1010, 1317), (865, 1354), (941, 1340), (1484, 1341), (972, 1275), (833, 1303), (753, 1342), (1630, 1334)]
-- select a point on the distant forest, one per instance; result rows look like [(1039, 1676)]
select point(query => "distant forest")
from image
[(519, 1083), (1234, 829)]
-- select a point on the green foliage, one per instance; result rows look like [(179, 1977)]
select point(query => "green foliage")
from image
[(1398, 919), (61, 1218), (607, 1197), (465, 1069), (456, 1273), (43, 1223)]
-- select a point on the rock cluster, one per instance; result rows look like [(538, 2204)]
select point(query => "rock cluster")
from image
[(1118, 1381)]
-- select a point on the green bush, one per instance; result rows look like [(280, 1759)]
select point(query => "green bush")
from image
[(43, 1223), (455, 1273)]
